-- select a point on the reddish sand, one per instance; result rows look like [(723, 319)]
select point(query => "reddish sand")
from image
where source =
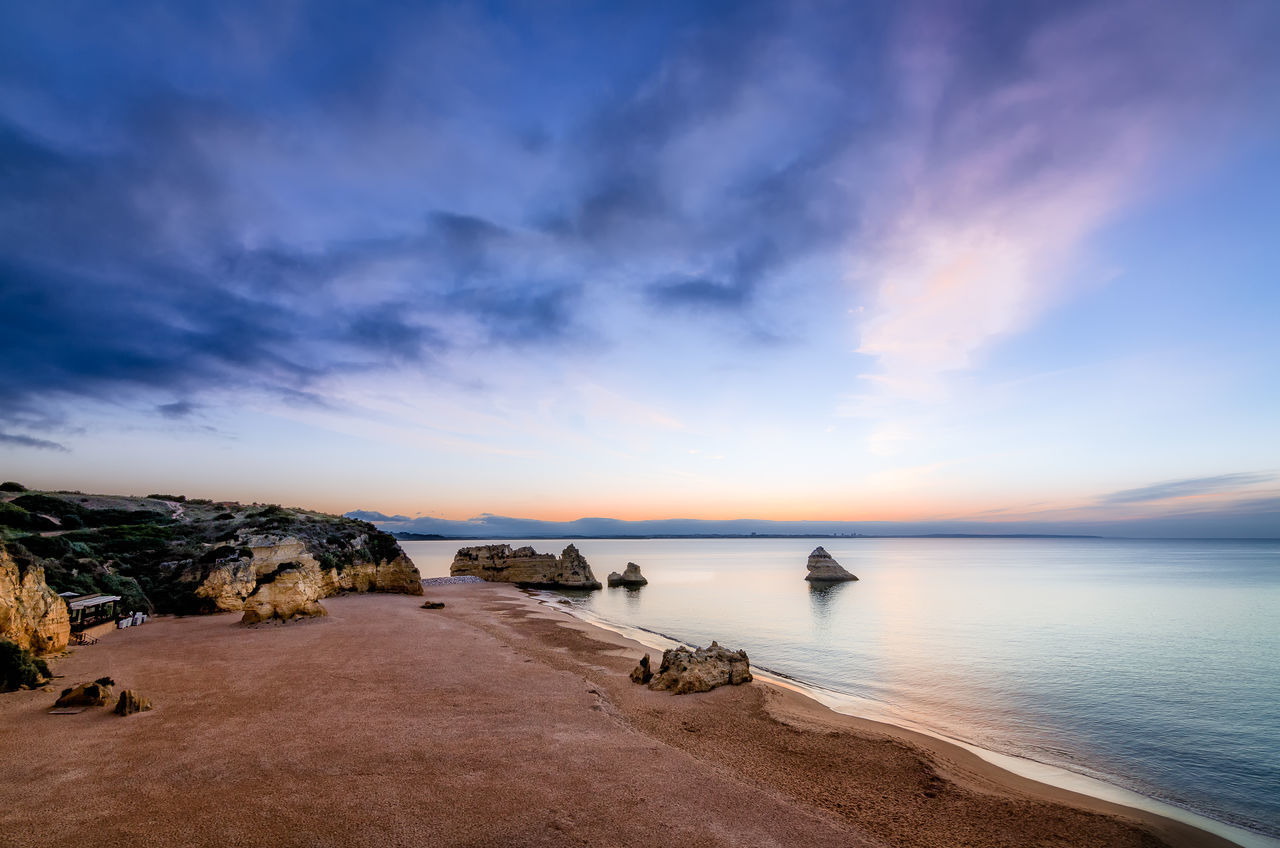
[(489, 722)]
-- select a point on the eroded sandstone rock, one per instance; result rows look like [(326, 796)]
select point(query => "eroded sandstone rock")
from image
[(686, 670), (502, 564), (292, 591), (229, 583), (248, 583), (630, 576), (95, 694), (642, 673), (31, 614), (823, 568), (131, 702)]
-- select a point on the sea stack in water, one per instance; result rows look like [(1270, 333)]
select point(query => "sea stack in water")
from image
[(630, 577), (525, 566), (824, 569)]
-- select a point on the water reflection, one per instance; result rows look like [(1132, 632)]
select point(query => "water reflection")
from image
[(822, 600), (632, 598)]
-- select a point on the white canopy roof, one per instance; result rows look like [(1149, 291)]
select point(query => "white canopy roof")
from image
[(90, 600)]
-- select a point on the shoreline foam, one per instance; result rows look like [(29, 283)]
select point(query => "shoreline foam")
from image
[(1050, 775)]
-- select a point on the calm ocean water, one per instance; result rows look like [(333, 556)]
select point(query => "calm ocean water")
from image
[(1153, 665)]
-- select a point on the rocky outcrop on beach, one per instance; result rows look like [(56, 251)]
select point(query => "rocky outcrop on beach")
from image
[(131, 702), (227, 584), (95, 694), (172, 554), (630, 577), (823, 568), (525, 566), (31, 614), (274, 577), (686, 670), (643, 672), (292, 591)]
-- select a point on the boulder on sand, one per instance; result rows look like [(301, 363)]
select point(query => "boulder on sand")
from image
[(686, 670), (95, 694), (629, 577), (131, 702), (642, 673), (823, 568)]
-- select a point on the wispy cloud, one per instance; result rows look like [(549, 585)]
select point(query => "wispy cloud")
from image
[(19, 440), (1013, 146), (1219, 484)]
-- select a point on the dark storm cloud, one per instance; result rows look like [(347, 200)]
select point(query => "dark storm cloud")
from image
[(1187, 488)]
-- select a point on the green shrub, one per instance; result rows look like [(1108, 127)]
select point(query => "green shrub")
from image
[(18, 667), (49, 547), (49, 505), (178, 498), (123, 517), (19, 519), (131, 595), (383, 546), (10, 486)]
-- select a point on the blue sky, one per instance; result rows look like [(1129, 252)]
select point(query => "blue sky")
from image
[(922, 262)]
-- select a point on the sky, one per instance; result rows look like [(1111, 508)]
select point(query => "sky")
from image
[(933, 263)]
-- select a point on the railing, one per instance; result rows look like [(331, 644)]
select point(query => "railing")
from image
[(80, 638)]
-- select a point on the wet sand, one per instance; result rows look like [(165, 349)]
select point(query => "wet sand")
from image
[(491, 722)]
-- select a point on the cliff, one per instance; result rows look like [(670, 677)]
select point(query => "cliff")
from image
[(31, 613), (170, 554), (525, 566), (273, 577)]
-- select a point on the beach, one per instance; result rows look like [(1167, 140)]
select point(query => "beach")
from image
[(493, 721)]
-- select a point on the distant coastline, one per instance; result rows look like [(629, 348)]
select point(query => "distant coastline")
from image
[(405, 536)]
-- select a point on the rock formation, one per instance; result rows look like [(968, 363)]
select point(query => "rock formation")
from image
[(643, 672), (95, 694), (229, 583), (131, 702), (291, 591), (525, 566), (31, 614), (630, 576), (699, 670), (248, 582), (170, 554), (824, 569), (433, 605)]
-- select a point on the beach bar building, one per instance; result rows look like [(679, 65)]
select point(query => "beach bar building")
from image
[(88, 610)]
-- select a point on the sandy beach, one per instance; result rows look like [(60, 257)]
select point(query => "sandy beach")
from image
[(493, 721)]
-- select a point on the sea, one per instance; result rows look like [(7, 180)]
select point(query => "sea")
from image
[(1144, 671)]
